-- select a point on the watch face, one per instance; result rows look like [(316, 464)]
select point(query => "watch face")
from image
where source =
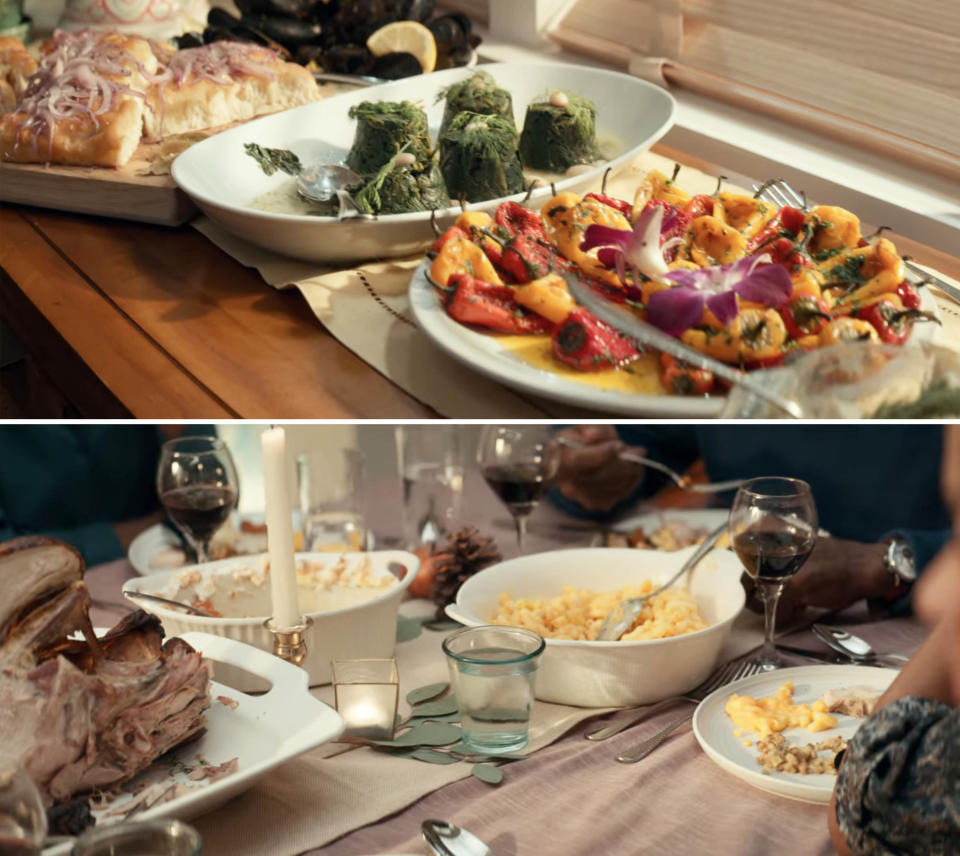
[(901, 561)]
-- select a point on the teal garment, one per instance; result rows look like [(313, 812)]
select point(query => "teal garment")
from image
[(74, 481)]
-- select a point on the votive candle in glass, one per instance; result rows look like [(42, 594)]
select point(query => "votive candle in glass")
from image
[(366, 694)]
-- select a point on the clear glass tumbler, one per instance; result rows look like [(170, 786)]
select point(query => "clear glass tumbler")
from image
[(492, 670), (332, 503), (141, 838), (430, 461)]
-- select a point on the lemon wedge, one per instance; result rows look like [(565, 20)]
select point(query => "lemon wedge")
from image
[(406, 37)]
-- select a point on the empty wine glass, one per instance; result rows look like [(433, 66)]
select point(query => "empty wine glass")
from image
[(197, 484), (23, 822), (518, 462), (773, 528)]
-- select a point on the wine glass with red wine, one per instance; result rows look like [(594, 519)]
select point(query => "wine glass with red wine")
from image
[(518, 462), (773, 529), (197, 484)]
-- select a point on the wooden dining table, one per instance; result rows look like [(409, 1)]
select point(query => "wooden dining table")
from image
[(121, 319)]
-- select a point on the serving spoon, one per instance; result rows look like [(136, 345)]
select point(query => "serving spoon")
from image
[(320, 183), (134, 596), (854, 647), (448, 839)]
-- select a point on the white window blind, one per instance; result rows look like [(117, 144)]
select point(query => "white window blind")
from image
[(883, 73)]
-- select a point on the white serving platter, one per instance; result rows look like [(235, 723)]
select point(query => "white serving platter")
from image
[(262, 733), (222, 179), (485, 353), (714, 729)]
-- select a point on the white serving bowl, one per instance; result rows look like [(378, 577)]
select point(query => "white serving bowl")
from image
[(366, 630), (612, 674)]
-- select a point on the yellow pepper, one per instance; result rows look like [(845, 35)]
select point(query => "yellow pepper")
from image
[(566, 217), (746, 214), (656, 185), (474, 223), (848, 330), (881, 268), (754, 335), (807, 282), (833, 228), (714, 243), (461, 255), (547, 296)]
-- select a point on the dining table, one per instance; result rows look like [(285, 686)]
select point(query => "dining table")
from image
[(568, 796), (121, 319)]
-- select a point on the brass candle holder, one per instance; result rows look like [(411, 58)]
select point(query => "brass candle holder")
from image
[(289, 643)]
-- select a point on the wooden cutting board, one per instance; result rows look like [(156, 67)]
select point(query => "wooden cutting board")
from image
[(141, 190)]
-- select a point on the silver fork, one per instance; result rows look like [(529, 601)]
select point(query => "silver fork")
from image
[(640, 751), (779, 192), (717, 679), (681, 481)]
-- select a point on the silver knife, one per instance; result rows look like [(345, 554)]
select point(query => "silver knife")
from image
[(646, 334), (916, 274)]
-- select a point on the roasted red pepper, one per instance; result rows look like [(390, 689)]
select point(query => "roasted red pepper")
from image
[(621, 205), (680, 378), (587, 344), (515, 218), (525, 258), (805, 316), (909, 296), (699, 206), (892, 323), (786, 220), (473, 301), (783, 251)]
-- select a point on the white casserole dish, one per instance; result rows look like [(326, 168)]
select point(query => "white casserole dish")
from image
[(364, 630), (612, 674)]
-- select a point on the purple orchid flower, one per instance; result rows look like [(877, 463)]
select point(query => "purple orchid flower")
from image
[(680, 307), (639, 247)]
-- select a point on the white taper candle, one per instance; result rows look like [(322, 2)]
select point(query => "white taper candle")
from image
[(283, 573)]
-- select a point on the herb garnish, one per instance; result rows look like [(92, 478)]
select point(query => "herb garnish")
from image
[(271, 160)]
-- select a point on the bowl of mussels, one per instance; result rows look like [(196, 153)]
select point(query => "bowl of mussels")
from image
[(381, 39)]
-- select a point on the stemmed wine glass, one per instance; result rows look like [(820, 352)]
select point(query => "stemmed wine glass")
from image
[(773, 528), (518, 462), (197, 484)]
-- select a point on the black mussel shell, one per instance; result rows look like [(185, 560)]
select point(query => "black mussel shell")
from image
[(217, 17), (305, 54), (417, 10), (355, 21), (393, 66), (348, 59), (287, 31), (276, 8), (189, 40), (461, 56), (449, 32)]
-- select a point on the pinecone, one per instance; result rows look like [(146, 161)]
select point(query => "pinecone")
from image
[(465, 553)]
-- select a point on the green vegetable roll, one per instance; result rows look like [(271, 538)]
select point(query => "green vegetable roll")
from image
[(477, 94), (479, 159), (559, 132), (385, 128), (399, 189)]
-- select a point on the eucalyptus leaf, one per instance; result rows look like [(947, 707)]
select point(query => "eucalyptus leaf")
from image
[(430, 691), (501, 714), (431, 756), (430, 734), (442, 625), (449, 717), (436, 708), (488, 773), (408, 628)]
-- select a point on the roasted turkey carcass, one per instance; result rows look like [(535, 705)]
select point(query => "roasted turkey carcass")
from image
[(87, 713)]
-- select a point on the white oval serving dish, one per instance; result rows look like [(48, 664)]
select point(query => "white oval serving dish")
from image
[(614, 674)]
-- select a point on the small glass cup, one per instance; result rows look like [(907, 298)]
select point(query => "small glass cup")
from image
[(366, 693), (332, 507), (492, 670), (140, 838), (23, 822), (430, 460)]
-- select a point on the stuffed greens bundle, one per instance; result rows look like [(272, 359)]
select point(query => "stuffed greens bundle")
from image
[(479, 158), (559, 133), (385, 128), (478, 93)]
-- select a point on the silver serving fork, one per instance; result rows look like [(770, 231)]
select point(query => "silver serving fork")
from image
[(779, 192), (716, 679), (640, 751)]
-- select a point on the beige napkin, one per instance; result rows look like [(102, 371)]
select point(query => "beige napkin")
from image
[(337, 788), (366, 309)]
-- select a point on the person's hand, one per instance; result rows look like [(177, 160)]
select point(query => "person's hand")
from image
[(595, 476), (837, 574)]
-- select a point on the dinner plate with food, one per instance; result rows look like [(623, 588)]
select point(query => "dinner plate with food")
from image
[(780, 731), (121, 723), (668, 530), (744, 282), (413, 148)]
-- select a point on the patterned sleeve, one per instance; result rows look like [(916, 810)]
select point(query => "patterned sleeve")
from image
[(898, 789)]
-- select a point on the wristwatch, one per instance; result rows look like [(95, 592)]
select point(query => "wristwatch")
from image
[(900, 562)]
